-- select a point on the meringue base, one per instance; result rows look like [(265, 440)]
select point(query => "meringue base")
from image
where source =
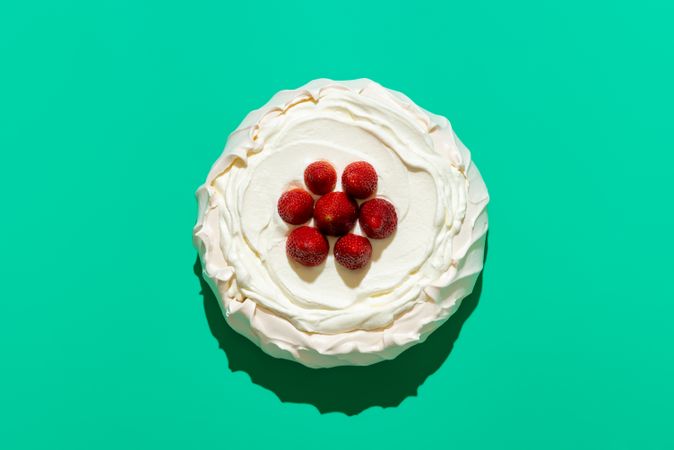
[(280, 338)]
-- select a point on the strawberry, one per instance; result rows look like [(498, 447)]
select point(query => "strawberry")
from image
[(359, 179), (295, 206), (353, 251), (320, 177), (378, 218), (335, 213), (307, 246)]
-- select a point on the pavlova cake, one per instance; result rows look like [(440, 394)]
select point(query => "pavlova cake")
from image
[(341, 225)]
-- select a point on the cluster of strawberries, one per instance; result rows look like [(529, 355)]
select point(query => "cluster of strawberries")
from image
[(335, 214)]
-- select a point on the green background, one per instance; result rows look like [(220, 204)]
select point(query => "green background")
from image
[(111, 113)]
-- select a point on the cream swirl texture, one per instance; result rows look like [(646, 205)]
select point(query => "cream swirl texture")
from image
[(328, 315)]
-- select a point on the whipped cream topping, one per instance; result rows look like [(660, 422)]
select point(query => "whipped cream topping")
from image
[(423, 170)]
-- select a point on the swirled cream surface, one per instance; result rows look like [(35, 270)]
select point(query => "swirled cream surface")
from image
[(419, 170)]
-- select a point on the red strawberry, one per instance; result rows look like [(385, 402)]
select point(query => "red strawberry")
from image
[(353, 251), (359, 179), (378, 218), (296, 206), (307, 246), (335, 213), (320, 177)]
